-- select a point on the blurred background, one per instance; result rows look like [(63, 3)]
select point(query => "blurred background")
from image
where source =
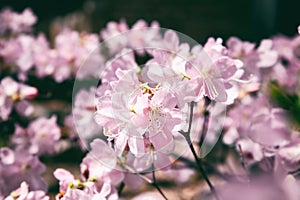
[(248, 19)]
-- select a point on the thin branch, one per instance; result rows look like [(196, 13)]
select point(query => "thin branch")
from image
[(197, 159), (203, 172), (145, 178), (148, 180), (187, 161), (205, 122), (154, 183), (191, 117)]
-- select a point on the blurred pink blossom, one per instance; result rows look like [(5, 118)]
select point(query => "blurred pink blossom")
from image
[(15, 94)]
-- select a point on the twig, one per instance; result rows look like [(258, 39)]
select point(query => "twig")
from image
[(197, 159), (205, 122), (187, 161), (148, 180), (154, 183)]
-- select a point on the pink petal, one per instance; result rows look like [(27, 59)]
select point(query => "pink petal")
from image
[(10, 86), (136, 145), (103, 153), (63, 175), (6, 108), (28, 91), (163, 142), (24, 108), (172, 40), (105, 190), (7, 156)]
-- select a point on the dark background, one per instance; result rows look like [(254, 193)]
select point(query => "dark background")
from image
[(199, 19)]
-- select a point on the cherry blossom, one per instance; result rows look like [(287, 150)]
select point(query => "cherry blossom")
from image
[(23, 193), (117, 36), (18, 166), (98, 175), (72, 49), (41, 136), (15, 94), (16, 22), (84, 124), (288, 62)]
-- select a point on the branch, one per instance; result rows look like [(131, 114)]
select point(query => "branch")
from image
[(205, 122), (148, 180), (197, 159), (154, 183)]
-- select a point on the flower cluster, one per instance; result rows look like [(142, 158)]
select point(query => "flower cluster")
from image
[(13, 22), (23, 193), (26, 53), (42, 136), (157, 109), (98, 176), (267, 133), (18, 166)]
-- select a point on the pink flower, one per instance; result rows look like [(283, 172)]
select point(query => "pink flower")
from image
[(99, 175), (273, 124), (141, 36), (191, 74), (26, 60), (65, 178), (45, 59), (19, 52), (118, 36), (213, 86), (154, 159), (287, 160), (41, 136), (18, 166), (221, 72), (259, 134), (76, 53), (10, 50), (112, 36), (72, 189), (172, 43), (137, 115), (23, 193), (255, 60), (101, 164), (288, 63), (262, 57), (169, 71), (139, 118), (249, 151), (83, 115), (123, 61), (113, 109), (80, 194), (239, 118), (14, 93), (15, 22)]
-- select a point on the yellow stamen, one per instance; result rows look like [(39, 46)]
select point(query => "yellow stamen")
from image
[(185, 76), (16, 97), (132, 108)]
